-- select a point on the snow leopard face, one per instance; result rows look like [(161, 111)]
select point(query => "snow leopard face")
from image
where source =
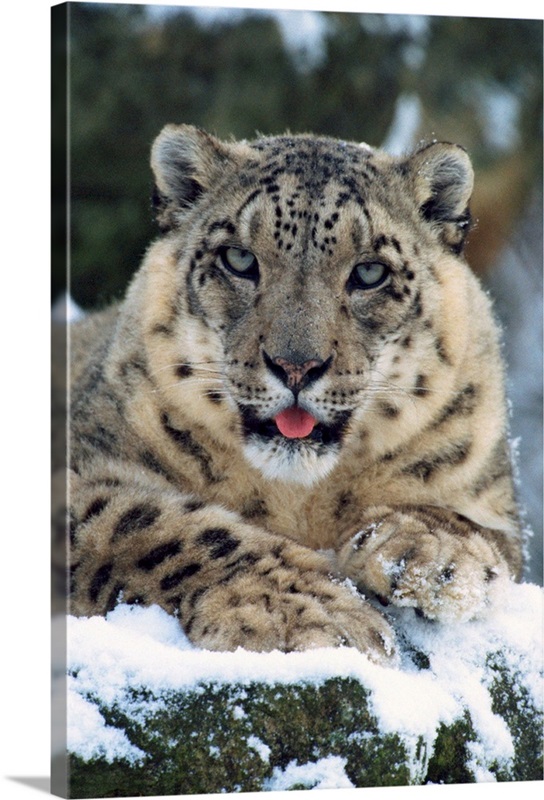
[(307, 271)]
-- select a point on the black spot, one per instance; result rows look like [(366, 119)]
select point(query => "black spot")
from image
[(112, 600), (174, 601), (196, 595), (214, 397), (247, 630), (112, 483), (185, 440), (175, 578), (72, 578), (368, 323), (447, 574), (420, 388), (462, 404), (389, 411), (390, 290), (128, 368), (149, 460), (99, 581), (342, 199), (159, 554), (72, 527), (136, 519), (136, 600), (343, 502), (240, 565), (219, 540), (193, 505), (425, 468), (183, 370), (96, 508), (248, 200), (188, 625), (222, 224), (162, 330), (441, 351), (253, 508), (277, 551), (417, 306), (100, 439)]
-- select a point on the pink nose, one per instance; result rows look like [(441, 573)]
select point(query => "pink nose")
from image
[(295, 373)]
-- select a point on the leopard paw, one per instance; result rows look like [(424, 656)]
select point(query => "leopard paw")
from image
[(443, 568), (287, 609)]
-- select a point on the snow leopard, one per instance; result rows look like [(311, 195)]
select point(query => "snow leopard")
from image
[(295, 419)]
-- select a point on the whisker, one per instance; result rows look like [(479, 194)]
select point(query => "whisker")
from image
[(214, 384), (193, 365)]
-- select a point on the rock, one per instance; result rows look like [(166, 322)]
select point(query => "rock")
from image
[(150, 715)]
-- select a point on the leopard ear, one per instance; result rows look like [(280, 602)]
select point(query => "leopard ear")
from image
[(443, 179), (184, 160)]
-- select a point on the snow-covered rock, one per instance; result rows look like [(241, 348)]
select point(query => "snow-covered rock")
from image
[(149, 714)]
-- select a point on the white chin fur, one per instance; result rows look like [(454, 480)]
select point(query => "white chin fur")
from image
[(301, 466)]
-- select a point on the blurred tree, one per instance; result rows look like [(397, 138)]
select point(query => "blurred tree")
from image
[(352, 92), (479, 82), (129, 77)]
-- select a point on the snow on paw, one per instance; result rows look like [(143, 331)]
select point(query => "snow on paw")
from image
[(446, 573)]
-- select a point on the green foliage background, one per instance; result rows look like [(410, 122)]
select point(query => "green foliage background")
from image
[(132, 71)]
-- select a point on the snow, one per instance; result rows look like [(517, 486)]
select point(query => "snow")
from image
[(260, 747), (327, 773), (91, 737), (136, 646)]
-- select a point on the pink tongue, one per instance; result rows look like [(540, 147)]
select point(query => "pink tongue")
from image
[(294, 423)]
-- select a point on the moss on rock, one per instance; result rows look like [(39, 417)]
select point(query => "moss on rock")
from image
[(230, 738)]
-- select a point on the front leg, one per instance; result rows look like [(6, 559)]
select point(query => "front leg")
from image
[(429, 558), (229, 583)]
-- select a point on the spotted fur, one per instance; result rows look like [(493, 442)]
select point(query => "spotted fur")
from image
[(185, 493)]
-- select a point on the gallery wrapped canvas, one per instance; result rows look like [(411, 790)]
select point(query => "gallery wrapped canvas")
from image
[(295, 490)]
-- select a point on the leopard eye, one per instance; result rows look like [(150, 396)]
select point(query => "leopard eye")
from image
[(240, 262), (369, 275)]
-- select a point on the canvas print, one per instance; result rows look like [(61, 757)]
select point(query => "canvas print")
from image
[(297, 400)]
